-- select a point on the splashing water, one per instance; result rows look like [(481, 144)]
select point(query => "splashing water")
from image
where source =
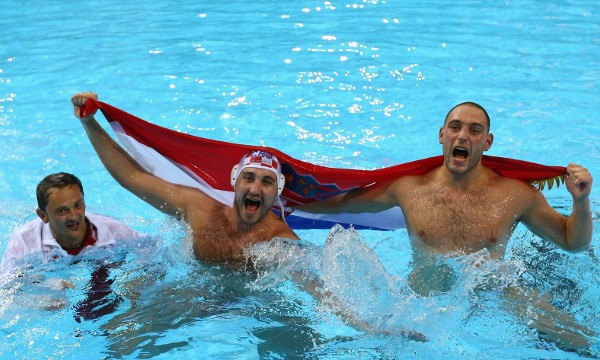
[(349, 275), (355, 280), (352, 282)]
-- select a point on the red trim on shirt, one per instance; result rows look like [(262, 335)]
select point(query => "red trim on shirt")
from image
[(90, 240)]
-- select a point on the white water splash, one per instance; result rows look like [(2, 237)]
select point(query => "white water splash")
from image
[(349, 277), (353, 281)]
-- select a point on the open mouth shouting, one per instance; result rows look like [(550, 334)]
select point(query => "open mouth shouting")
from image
[(251, 209), (252, 206), (460, 154)]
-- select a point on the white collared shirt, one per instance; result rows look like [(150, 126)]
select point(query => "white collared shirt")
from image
[(36, 236)]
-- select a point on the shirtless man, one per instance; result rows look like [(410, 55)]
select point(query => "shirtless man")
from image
[(463, 207), (220, 232)]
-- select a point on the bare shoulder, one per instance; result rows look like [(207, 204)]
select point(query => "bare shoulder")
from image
[(511, 186), (285, 231), (404, 183), (407, 188), (413, 180), (279, 228), (518, 196)]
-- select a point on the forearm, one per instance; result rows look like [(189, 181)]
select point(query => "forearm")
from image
[(115, 159), (329, 206), (579, 226), (356, 202)]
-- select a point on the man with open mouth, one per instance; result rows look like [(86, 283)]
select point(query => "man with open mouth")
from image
[(462, 207), (255, 178), (220, 232)]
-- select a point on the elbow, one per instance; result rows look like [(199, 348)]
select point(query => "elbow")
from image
[(578, 236), (574, 250), (130, 181), (127, 185), (579, 246)]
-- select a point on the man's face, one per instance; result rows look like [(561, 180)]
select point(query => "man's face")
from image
[(255, 192), (65, 213), (464, 137)]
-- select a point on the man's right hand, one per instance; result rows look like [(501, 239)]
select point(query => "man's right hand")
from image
[(79, 100)]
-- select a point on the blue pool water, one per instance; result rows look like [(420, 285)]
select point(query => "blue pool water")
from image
[(360, 84)]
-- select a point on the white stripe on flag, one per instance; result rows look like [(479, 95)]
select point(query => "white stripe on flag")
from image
[(166, 169)]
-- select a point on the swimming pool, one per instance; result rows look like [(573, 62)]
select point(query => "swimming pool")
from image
[(348, 84)]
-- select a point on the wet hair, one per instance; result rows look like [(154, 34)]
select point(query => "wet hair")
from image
[(55, 181), (475, 105)]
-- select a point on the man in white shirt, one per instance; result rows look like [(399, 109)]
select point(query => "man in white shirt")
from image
[(63, 227)]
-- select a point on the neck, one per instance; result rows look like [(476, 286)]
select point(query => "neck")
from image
[(237, 223), (462, 180)]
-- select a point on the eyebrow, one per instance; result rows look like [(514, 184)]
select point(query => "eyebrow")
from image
[(462, 122)]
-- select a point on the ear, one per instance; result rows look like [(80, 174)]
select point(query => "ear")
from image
[(441, 135), (42, 215), (488, 142)]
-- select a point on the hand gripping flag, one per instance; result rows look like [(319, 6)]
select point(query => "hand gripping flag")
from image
[(206, 164)]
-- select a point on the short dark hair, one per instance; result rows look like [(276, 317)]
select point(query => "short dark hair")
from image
[(475, 105), (55, 181)]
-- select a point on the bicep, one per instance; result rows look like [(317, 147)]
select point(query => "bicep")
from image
[(370, 199), (374, 199)]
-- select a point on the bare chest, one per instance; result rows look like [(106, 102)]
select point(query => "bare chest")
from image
[(468, 221), (217, 239)]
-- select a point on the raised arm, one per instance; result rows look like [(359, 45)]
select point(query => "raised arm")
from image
[(573, 233), (164, 196)]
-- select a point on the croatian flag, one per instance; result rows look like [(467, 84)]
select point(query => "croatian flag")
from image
[(206, 165)]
